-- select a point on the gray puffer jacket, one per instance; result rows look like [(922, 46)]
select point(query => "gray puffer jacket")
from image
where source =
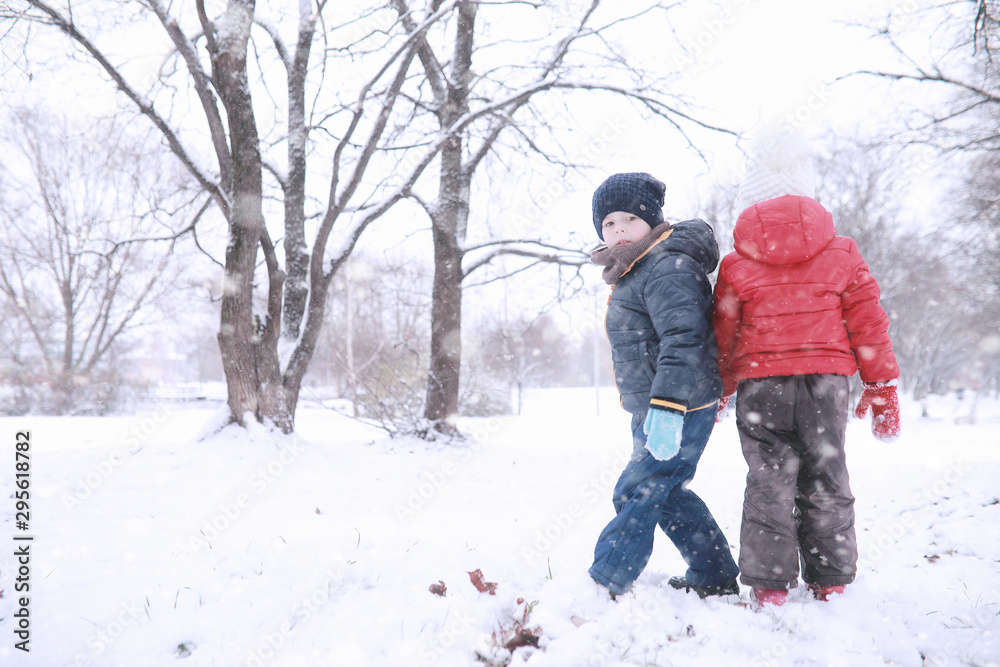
[(659, 322)]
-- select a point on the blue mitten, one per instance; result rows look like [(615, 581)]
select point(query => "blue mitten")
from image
[(663, 433)]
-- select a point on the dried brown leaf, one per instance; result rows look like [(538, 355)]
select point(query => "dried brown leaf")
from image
[(483, 586)]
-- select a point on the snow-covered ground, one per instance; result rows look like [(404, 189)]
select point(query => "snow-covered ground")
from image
[(157, 541)]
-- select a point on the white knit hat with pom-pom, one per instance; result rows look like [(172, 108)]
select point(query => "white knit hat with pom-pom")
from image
[(779, 164)]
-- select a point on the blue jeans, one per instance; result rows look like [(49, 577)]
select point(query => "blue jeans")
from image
[(651, 492)]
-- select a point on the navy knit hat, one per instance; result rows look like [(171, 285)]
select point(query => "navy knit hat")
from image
[(637, 193)]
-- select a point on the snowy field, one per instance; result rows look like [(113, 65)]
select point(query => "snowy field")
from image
[(157, 541)]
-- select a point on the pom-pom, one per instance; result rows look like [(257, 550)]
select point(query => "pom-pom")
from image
[(779, 164)]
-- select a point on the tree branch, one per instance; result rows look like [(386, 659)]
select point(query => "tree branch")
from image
[(145, 107), (436, 76), (173, 237), (276, 281), (930, 78), (562, 256)]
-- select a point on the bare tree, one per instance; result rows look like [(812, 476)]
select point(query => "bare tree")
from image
[(229, 66), (936, 317), (953, 340), (977, 197), (977, 238), (956, 59), (525, 352), (511, 98), (376, 346), (79, 209)]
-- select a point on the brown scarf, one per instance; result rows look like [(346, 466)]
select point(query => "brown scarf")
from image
[(618, 260)]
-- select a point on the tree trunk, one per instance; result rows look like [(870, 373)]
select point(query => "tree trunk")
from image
[(248, 347), (446, 326), (296, 251), (63, 389), (450, 221)]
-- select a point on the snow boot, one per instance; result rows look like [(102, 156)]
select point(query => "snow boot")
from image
[(824, 592), (680, 583), (771, 596)]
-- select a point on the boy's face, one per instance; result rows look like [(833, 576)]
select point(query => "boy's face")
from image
[(620, 228)]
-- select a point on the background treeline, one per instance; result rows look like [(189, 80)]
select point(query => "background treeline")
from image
[(939, 278)]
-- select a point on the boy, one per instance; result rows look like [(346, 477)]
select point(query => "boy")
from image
[(796, 314), (663, 349)]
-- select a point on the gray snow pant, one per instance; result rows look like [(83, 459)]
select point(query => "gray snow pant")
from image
[(798, 501)]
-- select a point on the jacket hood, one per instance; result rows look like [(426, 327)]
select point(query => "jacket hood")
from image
[(785, 230), (694, 238)]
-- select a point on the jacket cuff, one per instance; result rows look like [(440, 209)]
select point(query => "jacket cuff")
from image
[(668, 404), (887, 383)]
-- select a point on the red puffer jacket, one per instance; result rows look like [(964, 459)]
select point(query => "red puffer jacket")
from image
[(795, 298)]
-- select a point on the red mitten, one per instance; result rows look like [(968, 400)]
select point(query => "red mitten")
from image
[(881, 398), (723, 407)]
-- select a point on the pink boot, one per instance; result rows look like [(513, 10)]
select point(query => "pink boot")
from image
[(770, 596), (824, 592)]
